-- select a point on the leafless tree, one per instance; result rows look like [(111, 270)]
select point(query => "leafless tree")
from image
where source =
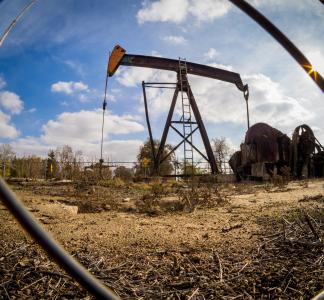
[(6, 156), (222, 151), (69, 163), (6, 152)]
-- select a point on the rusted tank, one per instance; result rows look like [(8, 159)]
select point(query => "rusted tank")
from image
[(264, 143), (266, 151)]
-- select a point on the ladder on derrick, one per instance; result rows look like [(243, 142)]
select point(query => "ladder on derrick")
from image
[(186, 118)]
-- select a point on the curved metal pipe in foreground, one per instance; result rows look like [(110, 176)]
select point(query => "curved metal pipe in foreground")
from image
[(70, 265), (319, 296), (282, 40)]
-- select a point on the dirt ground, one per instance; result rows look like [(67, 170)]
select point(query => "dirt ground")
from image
[(237, 241)]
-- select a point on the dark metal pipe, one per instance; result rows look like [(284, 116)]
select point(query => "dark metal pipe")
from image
[(166, 130), (148, 121), (71, 266), (319, 296), (203, 132), (247, 113), (167, 83), (282, 40), (160, 87), (167, 64)]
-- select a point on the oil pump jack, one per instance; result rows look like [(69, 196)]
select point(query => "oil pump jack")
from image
[(118, 57)]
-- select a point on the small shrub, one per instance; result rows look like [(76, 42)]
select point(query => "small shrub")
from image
[(113, 183), (126, 174), (286, 173), (148, 204), (277, 180), (317, 198), (304, 184)]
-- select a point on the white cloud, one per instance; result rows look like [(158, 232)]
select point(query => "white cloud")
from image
[(32, 110), (76, 66), (174, 39), (211, 54), (277, 108), (64, 103), (7, 130), (221, 66), (131, 77), (159, 99), (2, 82), (75, 127), (163, 11), (83, 98), (31, 146), (82, 131), (11, 102), (69, 88), (209, 10), (221, 102), (178, 11), (288, 4)]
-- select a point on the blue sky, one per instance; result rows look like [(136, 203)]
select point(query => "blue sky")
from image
[(53, 63)]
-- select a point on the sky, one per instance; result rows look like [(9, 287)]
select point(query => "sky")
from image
[(53, 68)]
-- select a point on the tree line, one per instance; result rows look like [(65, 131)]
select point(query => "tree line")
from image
[(65, 163)]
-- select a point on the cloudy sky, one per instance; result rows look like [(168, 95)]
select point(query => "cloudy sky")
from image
[(53, 63)]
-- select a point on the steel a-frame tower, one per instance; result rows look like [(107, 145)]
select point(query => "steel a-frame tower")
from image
[(191, 122)]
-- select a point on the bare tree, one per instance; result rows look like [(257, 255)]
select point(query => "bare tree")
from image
[(222, 152), (68, 161), (6, 152), (28, 167), (6, 156)]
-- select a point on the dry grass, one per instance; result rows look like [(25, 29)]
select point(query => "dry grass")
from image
[(287, 263)]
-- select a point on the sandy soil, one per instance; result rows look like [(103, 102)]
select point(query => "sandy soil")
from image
[(234, 230)]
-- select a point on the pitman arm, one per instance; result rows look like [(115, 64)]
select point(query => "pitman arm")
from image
[(119, 57)]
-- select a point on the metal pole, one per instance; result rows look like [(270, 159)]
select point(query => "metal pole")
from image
[(148, 121), (203, 132), (166, 130), (13, 23), (247, 113), (282, 40), (71, 266)]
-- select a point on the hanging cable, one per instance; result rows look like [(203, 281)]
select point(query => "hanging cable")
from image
[(104, 106)]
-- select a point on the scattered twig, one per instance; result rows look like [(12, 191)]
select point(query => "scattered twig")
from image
[(194, 293), (220, 266), (234, 226), (33, 283), (309, 223), (6, 292)]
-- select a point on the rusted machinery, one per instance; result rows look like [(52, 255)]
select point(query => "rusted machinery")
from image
[(191, 120), (267, 151)]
